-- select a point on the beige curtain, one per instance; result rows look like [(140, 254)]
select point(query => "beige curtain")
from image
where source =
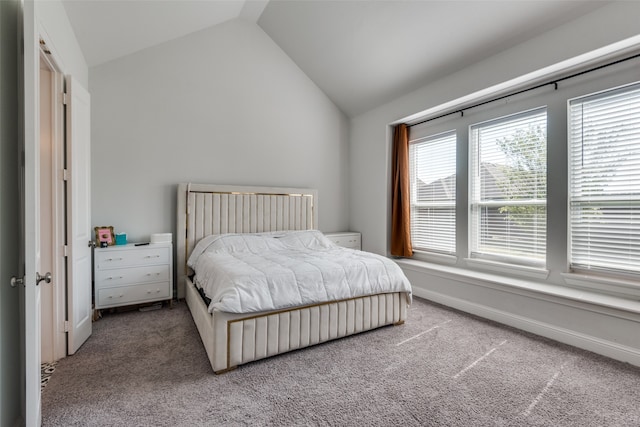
[(400, 203)]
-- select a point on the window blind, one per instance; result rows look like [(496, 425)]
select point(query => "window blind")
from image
[(508, 183), (604, 181), (432, 172)]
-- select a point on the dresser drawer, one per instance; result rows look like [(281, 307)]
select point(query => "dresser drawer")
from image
[(123, 276), (114, 258), (346, 240), (111, 297)]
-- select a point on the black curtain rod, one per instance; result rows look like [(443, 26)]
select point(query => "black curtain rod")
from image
[(552, 82)]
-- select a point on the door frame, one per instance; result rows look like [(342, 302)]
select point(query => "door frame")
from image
[(31, 32), (29, 76), (57, 208)]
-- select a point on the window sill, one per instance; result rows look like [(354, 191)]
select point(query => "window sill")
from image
[(617, 287), (434, 257), (515, 270), (618, 306)]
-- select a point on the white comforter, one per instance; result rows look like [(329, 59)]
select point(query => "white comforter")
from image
[(245, 273)]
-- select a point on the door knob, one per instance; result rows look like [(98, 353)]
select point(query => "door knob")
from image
[(15, 281), (46, 278), (92, 244)]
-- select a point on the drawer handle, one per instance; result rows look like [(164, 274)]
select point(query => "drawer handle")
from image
[(152, 256), (114, 259), (115, 278), (151, 274)]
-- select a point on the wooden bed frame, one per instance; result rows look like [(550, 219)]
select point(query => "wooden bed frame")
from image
[(234, 339)]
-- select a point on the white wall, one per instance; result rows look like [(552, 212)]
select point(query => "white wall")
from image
[(224, 105), (601, 330), (9, 220)]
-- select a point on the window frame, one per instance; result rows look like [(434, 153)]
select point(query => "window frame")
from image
[(441, 254), (604, 273), (476, 204)]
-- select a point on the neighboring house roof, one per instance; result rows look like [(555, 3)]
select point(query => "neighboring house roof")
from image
[(440, 189), (445, 188)]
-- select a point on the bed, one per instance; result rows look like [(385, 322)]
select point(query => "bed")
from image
[(246, 214)]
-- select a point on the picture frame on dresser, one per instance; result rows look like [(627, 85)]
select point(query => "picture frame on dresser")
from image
[(105, 234)]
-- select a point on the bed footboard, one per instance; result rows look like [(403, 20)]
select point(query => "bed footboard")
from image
[(235, 339)]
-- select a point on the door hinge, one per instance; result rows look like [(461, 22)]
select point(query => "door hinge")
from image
[(66, 326), (65, 174), (64, 98), (65, 250)]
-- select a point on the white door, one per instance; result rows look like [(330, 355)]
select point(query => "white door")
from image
[(31, 214), (78, 214)]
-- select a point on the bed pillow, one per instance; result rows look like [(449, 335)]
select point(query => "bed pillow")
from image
[(234, 242), (258, 242), (306, 239)]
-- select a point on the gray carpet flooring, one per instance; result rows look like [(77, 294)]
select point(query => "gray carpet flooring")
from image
[(442, 368)]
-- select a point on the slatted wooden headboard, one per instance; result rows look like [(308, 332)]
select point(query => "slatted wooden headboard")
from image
[(205, 209)]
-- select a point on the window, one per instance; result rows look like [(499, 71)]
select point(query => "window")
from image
[(551, 189), (432, 169), (508, 188), (604, 184)]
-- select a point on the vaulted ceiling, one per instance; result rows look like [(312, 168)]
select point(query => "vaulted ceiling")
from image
[(360, 53)]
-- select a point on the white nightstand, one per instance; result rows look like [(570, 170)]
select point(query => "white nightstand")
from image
[(346, 239), (129, 274)]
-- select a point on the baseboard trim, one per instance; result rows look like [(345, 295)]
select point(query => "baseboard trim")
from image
[(566, 336)]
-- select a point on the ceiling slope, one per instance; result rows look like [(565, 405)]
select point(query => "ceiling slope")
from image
[(363, 54), (110, 29)]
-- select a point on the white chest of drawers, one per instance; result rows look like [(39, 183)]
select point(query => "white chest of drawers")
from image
[(346, 239), (130, 274)]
